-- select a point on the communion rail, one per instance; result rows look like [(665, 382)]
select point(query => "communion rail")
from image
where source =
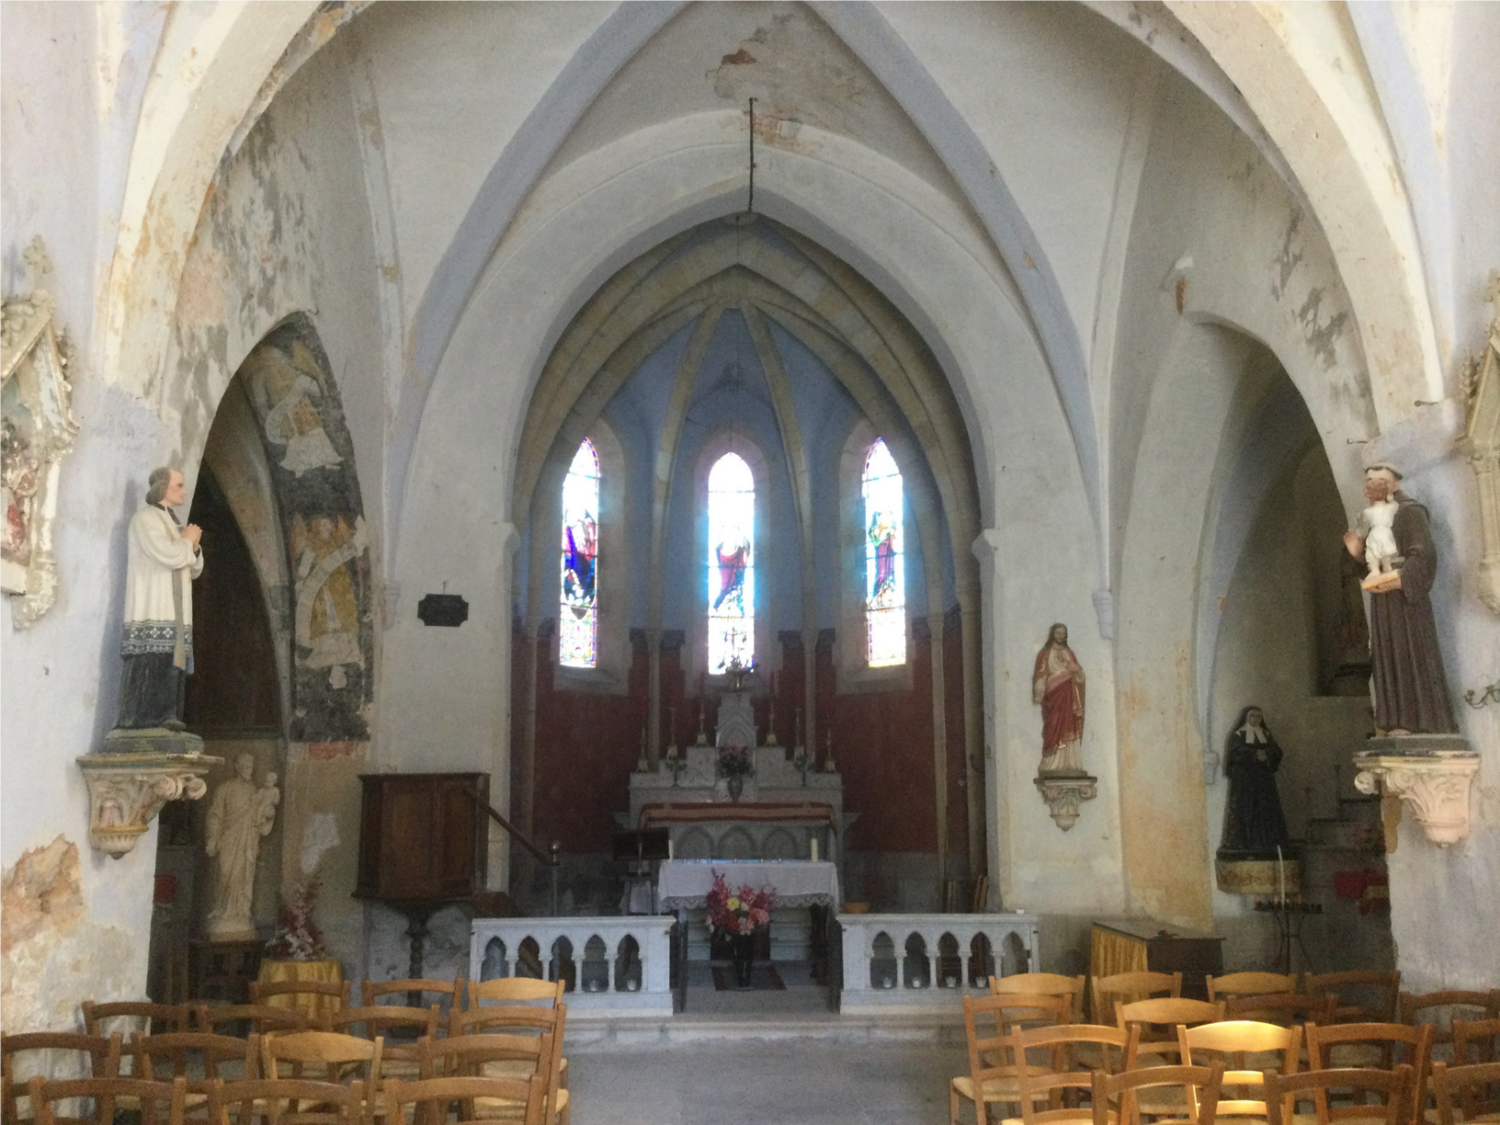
[(609, 964), (930, 960)]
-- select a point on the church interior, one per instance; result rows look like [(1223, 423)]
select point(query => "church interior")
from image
[(901, 454)]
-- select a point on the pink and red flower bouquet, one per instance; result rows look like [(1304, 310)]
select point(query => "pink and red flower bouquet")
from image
[(738, 911)]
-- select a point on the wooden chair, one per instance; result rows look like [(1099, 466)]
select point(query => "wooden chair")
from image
[(172, 1017), (225, 1019), (1105, 992), (197, 1057), (1285, 1008), (1381, 989), (341, 1058), (1381, 1046), (1152, 1026), (263, 992), (516, 990), (500, 1055), (1250, 984), (98, 1056), (292, 1101), (525, 1020), (1117, 1097), (1477, 1087), (1431, 1007), (992, 1068), (158, 1103), (437, 1093), (1284, 1092), (378, 1020), (1476, 1041), (1059, 1070), (1233, 1041), (1044, 984), (371, 991)]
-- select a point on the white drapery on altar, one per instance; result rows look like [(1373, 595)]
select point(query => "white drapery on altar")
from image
[(684, 884)]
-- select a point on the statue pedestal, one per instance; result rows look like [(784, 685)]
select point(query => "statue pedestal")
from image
[(127, 789), (1432, 773), (1064, 791)]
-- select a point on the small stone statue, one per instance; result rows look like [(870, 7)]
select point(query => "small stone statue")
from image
[(1411, 691), (1254, 826), (1057, 685), (157, 645), (241, 813)]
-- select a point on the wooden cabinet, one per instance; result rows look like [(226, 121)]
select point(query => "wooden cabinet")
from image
[(422, 837)]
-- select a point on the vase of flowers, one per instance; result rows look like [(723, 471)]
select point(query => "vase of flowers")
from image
[(735, 765), (737, 913)]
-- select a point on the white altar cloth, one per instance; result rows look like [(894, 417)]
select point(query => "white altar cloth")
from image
[(682, 884)]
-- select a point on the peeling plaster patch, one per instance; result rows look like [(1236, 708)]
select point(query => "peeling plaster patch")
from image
[(784, 65), (46, 939)]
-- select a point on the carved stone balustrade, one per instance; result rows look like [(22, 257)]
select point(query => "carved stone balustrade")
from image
[(612, 965), (929, 961), (1435, 782)]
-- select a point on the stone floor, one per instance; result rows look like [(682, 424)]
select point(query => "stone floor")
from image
[(765, 1083)]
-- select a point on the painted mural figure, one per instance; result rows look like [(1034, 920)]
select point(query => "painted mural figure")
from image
[(157, 645), (733, 555), (327, 606), (1411, 690), (882, 534), (293, 421), (239, 815), (1057, 684), (1254, 826)]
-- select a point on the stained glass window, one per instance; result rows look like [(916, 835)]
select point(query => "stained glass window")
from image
[(578, 616), (731, 563), (885, 569)]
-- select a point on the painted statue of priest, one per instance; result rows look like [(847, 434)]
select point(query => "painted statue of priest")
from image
[(157, 645)]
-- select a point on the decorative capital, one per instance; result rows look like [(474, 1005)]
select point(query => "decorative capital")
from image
[(127, 790), (1064, 792), (1436, 787)]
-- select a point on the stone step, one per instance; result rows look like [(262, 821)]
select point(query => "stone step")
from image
[(601, 1033)]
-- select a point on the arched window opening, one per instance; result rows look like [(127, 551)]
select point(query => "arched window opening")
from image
[(885, 568), (731, 564), (578, 617)]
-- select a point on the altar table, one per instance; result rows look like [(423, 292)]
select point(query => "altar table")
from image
[(685, 883)]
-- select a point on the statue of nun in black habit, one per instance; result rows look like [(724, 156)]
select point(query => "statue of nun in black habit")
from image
[(1254, 826)]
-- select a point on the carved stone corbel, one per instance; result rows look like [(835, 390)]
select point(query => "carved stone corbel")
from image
[(127, 790), (1064, 792), (1435, 785), (1481, 444), (38, 432)]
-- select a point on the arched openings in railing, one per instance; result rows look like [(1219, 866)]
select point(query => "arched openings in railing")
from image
[(628, 968), (981, 960), (593, 974), (494, 964), (562, 967), (916, 971), (950, 967), (883, 961), (529, 960), (1013, 956)]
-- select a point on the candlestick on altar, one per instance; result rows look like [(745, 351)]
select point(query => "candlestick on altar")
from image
[(702, 731), (771, 726), (828, 766)]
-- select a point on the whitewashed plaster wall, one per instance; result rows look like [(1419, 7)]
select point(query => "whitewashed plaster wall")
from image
[(74, 921)]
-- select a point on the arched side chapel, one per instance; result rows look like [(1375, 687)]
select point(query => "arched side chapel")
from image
[(1128, 329)]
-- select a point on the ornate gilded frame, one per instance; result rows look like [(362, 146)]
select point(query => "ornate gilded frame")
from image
[(36, 433)]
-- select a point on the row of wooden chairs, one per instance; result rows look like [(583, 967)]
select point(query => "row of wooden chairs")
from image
[(289, 1101)]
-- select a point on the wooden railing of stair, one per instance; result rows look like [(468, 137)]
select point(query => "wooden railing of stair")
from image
[(552, 857)]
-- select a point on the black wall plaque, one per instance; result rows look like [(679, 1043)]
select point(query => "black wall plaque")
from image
[(447, 610)]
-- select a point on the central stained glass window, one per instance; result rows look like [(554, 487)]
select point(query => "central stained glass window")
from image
[(885, 570), (578, 617), (731, 563)]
